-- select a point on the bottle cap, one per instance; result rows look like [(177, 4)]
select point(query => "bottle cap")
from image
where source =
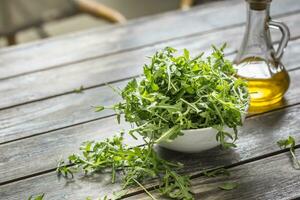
[(258, 4)]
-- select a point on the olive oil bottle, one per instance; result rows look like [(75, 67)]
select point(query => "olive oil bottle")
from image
[(266, 87), (258, 62)]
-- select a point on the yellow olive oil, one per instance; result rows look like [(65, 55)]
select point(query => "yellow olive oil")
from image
[(266, 92), (266, 84)]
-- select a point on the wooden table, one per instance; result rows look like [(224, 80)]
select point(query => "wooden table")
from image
[(42, 119)]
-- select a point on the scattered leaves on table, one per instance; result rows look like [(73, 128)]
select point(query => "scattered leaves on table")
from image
[(290, 143), (37, 197), (228, 186), (137, 164), (79, 90)]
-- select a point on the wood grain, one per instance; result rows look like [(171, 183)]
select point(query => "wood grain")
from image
[(96, 72), (19, 159), (63, 111), (270, 178), (27, 166), (59, 189), (136, 34), (56, 113), (52, 147)]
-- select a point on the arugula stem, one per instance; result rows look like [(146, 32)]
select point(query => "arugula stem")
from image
[(295, 159), (113, 174), (189, 104), (167, 134), (147, 192)]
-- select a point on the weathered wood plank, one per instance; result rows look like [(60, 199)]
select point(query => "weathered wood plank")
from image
[(258, 137), (91, 73), (270, 178), (53, 147), (48, 183), (70, 135), (55, 113), (138, 33)]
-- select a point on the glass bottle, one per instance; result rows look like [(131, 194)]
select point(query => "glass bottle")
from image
[(258, 62)]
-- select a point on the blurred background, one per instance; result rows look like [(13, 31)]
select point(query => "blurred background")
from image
[(23, 21)]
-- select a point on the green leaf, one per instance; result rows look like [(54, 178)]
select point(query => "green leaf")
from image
[(217, 172), (290, 143), (154, 87), (99, 108), (38, 197), (79, 90), (228, 186), (168, 134), (284, 143), (186, 54)]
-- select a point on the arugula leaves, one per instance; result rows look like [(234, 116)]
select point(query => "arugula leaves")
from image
[(136, 165), (179, 92), (228, 186), (290, 143), (175, 93), (38, 197), (79, 90), (216, 172)]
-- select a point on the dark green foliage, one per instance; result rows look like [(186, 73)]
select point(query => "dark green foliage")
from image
[(179, 92), (175, 93), (136, 165)]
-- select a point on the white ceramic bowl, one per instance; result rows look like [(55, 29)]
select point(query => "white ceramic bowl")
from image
[(194, 140)]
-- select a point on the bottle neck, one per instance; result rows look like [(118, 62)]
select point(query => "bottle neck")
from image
[(257, 20), (257, 40)]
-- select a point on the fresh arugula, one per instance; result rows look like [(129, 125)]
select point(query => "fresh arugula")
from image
[(175, 93), (116, 196), (228, 186), (136, 165), (180, 92), (221, 172), (290, 143), (79, 90), (216, 172), (37, 197)]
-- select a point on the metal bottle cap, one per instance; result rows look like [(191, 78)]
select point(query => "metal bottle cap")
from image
[(258, 4)]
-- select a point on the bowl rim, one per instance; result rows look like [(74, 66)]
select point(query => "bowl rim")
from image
[(197, 129)]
